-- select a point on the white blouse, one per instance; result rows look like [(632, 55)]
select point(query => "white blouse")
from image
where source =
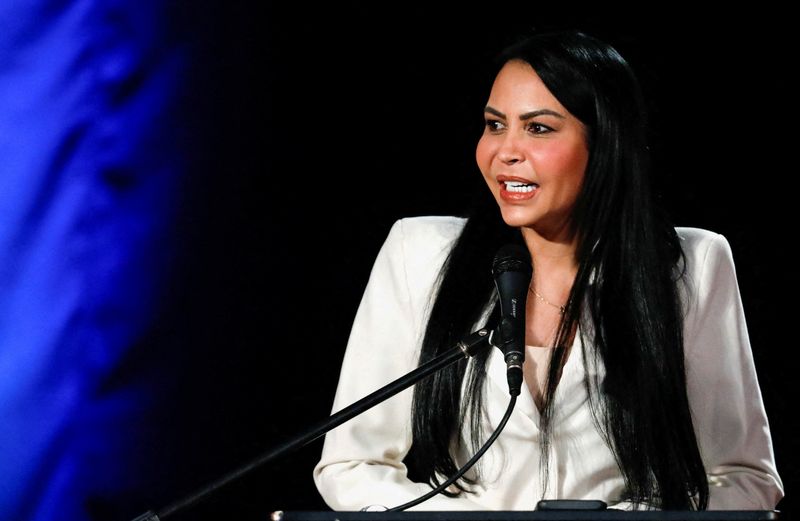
[(361, 462)]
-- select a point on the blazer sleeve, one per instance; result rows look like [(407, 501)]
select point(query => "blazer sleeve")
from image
[(361, 462), (728, 412)]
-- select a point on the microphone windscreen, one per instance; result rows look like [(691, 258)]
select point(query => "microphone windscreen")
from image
[(512, 257)]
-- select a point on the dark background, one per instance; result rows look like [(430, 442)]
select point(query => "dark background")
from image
[(321, 127)]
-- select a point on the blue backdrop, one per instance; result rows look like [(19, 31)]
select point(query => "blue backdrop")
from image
[(91, 163)]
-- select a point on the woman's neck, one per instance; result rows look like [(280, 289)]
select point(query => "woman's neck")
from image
[(552, 252), (554, 264)]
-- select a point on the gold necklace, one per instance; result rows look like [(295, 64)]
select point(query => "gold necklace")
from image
[(561, 309)]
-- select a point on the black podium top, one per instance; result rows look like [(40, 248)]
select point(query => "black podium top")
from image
[(536, 515)]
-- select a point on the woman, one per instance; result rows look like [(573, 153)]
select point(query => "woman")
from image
[(642, 389)]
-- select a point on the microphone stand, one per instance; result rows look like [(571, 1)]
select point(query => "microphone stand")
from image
[(468, 347)]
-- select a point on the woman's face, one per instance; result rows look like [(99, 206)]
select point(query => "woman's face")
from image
[(533, 153)]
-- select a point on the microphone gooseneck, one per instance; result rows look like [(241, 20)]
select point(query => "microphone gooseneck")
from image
[(512, 271)]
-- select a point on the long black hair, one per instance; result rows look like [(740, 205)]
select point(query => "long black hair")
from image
[(624, 300)]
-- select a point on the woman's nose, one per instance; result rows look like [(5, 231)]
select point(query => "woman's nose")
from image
[(510, 152)]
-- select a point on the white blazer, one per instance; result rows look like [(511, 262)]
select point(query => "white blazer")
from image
[(361, 462)]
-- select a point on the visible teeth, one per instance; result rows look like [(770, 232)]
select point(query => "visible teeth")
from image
[(516, 186)]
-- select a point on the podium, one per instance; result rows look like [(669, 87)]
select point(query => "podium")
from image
[(534, 515)]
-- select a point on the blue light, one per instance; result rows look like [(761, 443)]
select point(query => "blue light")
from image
[(89, 172)]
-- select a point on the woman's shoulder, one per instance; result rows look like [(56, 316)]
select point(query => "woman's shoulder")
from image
[(703, 248), (421, 244), (417, 247), (694, 239), (444, 228)]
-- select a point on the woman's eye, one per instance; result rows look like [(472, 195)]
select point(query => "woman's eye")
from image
[(493, 125), (538, 128)]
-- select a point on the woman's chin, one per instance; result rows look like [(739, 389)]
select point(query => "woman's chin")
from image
[(515, 218)]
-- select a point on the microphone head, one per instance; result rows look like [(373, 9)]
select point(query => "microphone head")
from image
[(512, 257), (512, 273)]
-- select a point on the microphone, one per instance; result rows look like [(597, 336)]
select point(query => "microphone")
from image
[(512, 273)]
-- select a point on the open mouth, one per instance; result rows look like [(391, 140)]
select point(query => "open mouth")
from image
[(519, 187)]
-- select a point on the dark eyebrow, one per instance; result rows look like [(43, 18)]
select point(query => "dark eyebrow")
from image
[(541, 112), (496, 112), (527, 115)]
